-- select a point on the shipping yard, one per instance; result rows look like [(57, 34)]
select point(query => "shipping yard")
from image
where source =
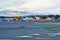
[(31, 18)]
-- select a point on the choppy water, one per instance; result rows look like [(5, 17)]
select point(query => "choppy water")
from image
[(28, 25), (30, 34)]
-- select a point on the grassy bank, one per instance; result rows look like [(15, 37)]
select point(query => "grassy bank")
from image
[(53, 29)]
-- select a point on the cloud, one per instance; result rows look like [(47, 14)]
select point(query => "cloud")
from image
[(42, 6), (34, 6)]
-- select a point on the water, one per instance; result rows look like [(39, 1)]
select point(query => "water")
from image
[(29, 34), (28, 25)]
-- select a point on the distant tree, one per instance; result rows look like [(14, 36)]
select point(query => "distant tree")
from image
[(44, 17), (58, 16)]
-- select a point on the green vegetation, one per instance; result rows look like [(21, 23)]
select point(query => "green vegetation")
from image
[(46, 22), (53, 29)]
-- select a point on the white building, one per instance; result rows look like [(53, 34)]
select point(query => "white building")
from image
[(27, 18), (48, 18), (37, 18), (8, 19)]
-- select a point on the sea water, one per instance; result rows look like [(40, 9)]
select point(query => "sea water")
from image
[(29, 34)]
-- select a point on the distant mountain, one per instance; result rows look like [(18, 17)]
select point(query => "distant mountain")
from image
[(19, 13), (14, 13)]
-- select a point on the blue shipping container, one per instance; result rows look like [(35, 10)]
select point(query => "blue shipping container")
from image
[(1, 19)]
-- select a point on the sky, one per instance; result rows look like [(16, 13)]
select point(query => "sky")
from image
[(33, 6)]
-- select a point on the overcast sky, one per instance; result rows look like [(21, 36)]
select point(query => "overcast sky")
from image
[(35, 6)]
